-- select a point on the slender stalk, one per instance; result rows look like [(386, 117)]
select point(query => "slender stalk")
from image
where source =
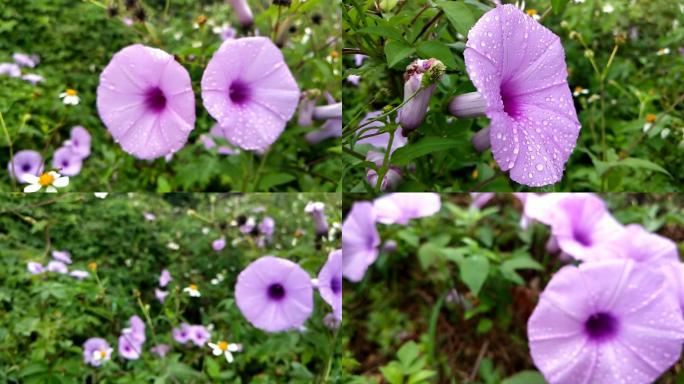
[(385, 162), (257, 176), (9, 142)]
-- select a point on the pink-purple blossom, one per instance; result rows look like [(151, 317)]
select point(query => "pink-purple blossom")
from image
[(518, 67), (316, 210), (10, 69), (360, 241), (63, 256), (181, 334), (267, 226), (25, 162), (165, 278), (160, 294), (219, 244), (199, 335), (399, 208), (128, 349), (25, 60), (161, 349), (57, 266), (420, 81), (145, 100), (332, 114), (34, 268), (96, 351), (274, 294), (606, 321), (243, 12), (79, 141), (248, 88), (79, 274), (67, 162), (330, 282)]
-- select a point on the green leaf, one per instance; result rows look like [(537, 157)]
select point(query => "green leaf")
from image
[(384, 31), (484, 325), (525, 377), (428, 253), (633, 162), (396, 51), (459, 15), (271, 180), (392, 373), (427, 145), (213, 369), (408, 353), (421, 377), (558, 6), (474, 271), (437, 50), (387, 5)]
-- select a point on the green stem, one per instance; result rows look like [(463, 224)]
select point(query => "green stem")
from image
[(385, 162), (9, 142), (257, 176)]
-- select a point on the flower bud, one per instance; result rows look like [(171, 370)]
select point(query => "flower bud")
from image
[(243, 12), (392, 177), (421, 76), (468, 105)]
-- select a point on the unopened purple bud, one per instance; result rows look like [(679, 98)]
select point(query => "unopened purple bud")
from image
[(306, 110), (481, 141), (330, 111), (468, 105), (552, 245), (421, 76), (243, 12), (389, 246), (316, 210)]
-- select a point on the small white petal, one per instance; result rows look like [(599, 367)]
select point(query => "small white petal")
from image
[(31, 179), (32, 188), (229, 357), (61, 182), (50, 189), (217, 352), (233, 347)]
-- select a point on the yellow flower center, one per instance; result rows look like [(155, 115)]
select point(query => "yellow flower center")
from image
[(222, 345), (578, 89), (650, 118), (193, 287), (46, 179), (103, 354), (71, 92), (92, 266), (531, 12)]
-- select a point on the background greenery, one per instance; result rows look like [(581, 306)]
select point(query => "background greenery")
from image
[(76, 40), (451, 304), (612, 154), (44, 319)]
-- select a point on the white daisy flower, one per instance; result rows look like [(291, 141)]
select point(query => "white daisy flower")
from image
[(173, 246), (102, 355), (663, 51), (100, 195), (192, 290), (49, 180), (580, 91), (70, 97), (608, 8), (226, 349)]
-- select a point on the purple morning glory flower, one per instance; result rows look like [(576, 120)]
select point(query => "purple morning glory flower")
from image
[(145, 100), (34, 268), (248, 226), (33, 78), (606, 321), (354, 80), (25, 162), (418, 74), (160, 295), (128, 349), (274, 294), (10, 69), (360, 241), (332, 114), (79, 142), (480, 199), (248, 88), (199, 335), (165, 278), (399, 208), (63, 256), (584, 228), (316, 210), (243, 12), (79, 274), (359, 58), (136, 331), (182, 333), (305, 110), (219, 244), (25, 60), (67, 162), (380, 141), (267, 226), (57, 266), (96, 351), (642, 246), (330, 282), (518, 67), (161, 349)]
